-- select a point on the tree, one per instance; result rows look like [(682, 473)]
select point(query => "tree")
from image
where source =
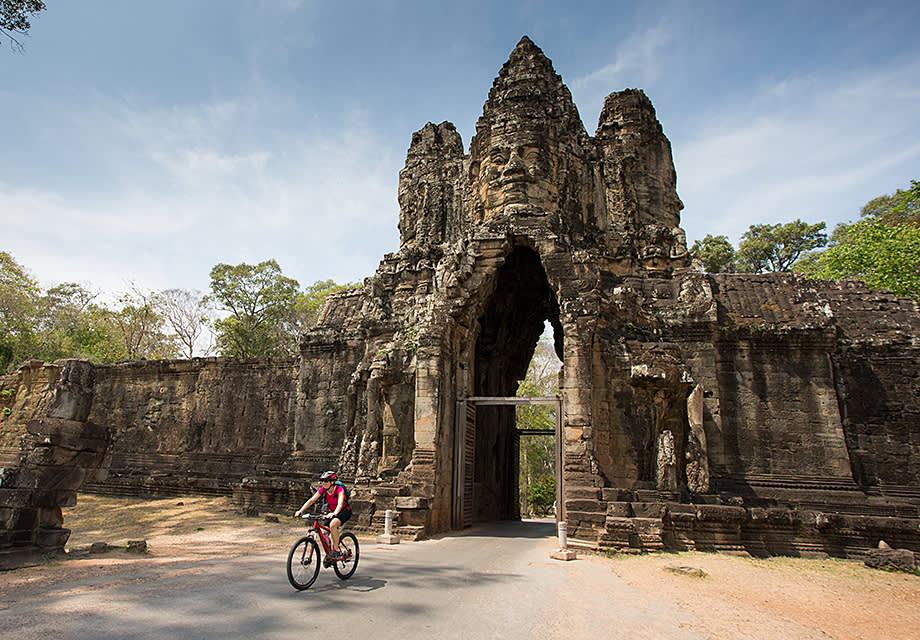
[(311, 302), (883, 256), (186, 313), (715, 252), (15, 19), (776, 247), (902, 207), (140, 326), (304, 314), (537, 476), (882, 249), (71, 325), (19, 296), (259, 300)]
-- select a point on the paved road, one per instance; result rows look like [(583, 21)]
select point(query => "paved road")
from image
[(492, 582)]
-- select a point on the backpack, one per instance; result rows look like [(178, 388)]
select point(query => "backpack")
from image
[(347, 494)]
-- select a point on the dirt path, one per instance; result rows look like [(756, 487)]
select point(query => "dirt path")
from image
[(737, 598)]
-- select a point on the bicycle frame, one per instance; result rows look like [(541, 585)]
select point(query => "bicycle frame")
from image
[(324, 534)]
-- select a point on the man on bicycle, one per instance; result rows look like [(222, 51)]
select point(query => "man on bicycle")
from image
[(336, 504)]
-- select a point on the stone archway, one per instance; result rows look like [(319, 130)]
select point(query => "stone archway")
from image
[(509, 328)]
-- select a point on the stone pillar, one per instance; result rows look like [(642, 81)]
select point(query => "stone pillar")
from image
[(57, 455)]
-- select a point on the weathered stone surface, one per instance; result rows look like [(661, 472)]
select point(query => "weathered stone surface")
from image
[(770, 413), (57, 453), (892, 559)]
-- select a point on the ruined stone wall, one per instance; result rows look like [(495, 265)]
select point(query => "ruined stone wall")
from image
[(59, 451), (763, 412), (195, 425)]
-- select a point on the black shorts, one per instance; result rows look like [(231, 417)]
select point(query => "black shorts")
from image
[(344, 515)]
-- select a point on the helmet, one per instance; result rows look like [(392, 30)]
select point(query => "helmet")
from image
[(329, 475)]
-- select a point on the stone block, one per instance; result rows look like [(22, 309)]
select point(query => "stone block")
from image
[(584, 505), (390, 491), (721, 513), (612, 524), (52, 538), (576, 492), (892, 559), (564, 554), (411, 502), (70, 434), (649, 509), (618, 495), (136, 546), (619, 509)]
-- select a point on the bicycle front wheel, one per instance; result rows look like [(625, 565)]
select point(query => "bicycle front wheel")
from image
[(303, 563), (348, 545)]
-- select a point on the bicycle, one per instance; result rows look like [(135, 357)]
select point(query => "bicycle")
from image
[(304, 557)]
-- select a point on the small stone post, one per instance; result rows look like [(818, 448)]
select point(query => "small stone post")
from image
[(387, 536), (563, 552)]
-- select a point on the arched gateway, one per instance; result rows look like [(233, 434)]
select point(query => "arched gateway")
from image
[(768, 412), (692, 404)]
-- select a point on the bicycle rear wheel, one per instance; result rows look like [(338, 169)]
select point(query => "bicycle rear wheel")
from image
[(303, 563), (348, 545)]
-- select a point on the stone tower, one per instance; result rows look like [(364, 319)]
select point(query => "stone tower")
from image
[(766, 413), (675, 383)]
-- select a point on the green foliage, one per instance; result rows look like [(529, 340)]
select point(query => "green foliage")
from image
[(261, 302), (305, 312), (715, 252), (882, 249), (776, 247), (15, 18), (541, 494), (884, 256), (66, 322), (902, 207), (538, 453), (139, 326), (19, 296)]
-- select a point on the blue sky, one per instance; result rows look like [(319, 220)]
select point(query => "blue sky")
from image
[(146, 142)]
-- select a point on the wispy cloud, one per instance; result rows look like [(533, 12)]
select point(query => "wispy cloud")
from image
[(638, 55), (807, 147), (179, 190)]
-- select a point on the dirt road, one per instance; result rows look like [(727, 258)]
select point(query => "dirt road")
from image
[(209, 569)]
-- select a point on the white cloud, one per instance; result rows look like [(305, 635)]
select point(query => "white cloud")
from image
[(807, 147), (179, 190), (637, 56)]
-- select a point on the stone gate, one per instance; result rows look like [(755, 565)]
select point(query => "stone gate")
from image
[(766, 413)]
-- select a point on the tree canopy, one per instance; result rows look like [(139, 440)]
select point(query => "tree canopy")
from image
[(882, 249), (259, 300), (776, 247), (715, 252), (15, 19)]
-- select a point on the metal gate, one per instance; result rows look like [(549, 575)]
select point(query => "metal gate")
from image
[(465, 452)]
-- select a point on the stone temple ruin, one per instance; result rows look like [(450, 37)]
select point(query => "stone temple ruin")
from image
[(763, 413)]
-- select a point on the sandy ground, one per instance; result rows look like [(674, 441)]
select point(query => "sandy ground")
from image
[(736, 597)]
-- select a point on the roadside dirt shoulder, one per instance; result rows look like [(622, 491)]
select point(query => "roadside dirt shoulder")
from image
[(746, 598), (737, 598)]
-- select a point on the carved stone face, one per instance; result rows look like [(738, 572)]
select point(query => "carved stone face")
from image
[(517, 169)]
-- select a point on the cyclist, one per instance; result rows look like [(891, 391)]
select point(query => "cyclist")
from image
[(336, 504)]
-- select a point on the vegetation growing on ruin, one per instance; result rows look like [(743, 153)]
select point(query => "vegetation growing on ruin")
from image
[(882, 248), (253, 311)]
